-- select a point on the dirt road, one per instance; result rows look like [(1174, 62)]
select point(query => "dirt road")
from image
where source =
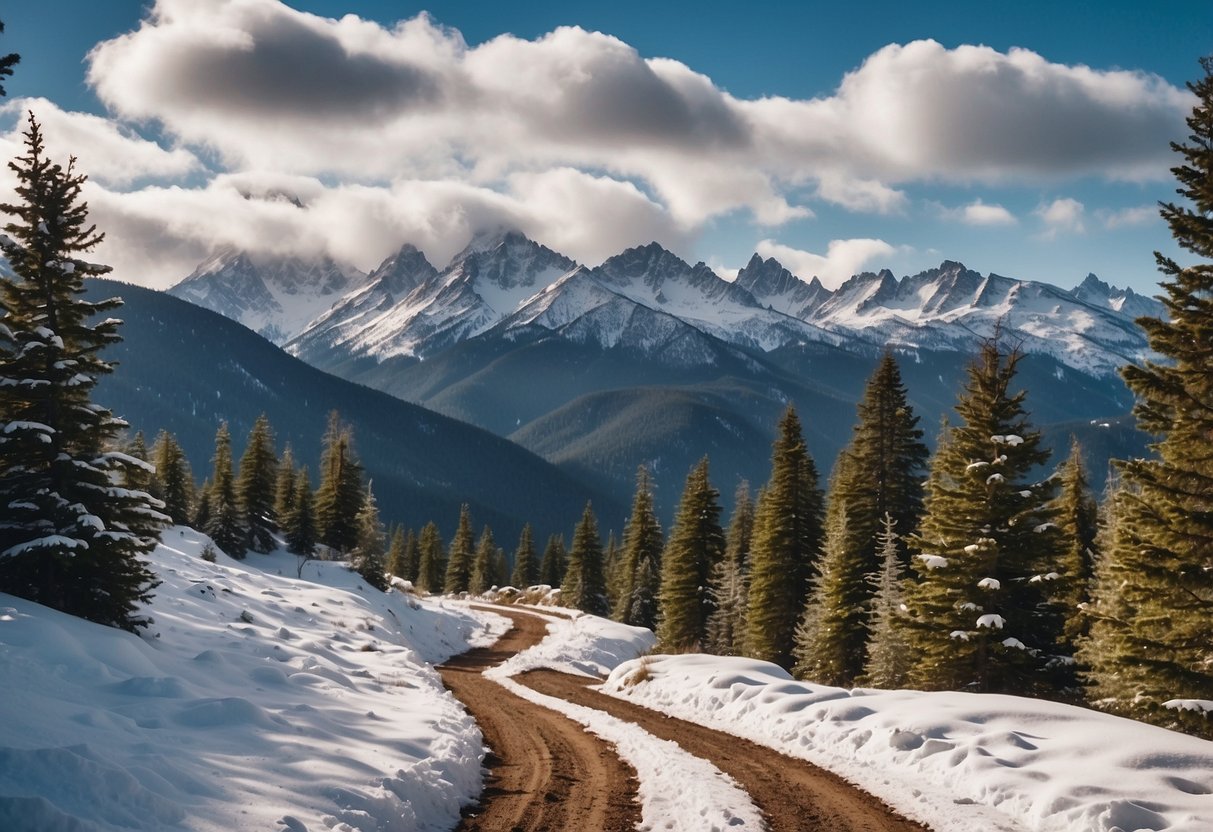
[(792, 794)]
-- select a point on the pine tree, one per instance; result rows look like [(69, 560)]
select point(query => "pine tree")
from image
[(284, 489), (430, 567), (483, 568), (300, 524), (173, 482), (785, 547), (255, 489), (1077, 516), (823, 626), (462, 553), (202, 506), (730, 580), (501, 569), (640, 560), (880, 472), (138, 477), (584, 585), (225, 524), (1163, 653), (6, 65), (551, 568), (339, 498), (612, 567), (396, 553), (412, 558), (888, 654), (695, 546), (989, 551), (69, 537), (526, 570), (369, 558)]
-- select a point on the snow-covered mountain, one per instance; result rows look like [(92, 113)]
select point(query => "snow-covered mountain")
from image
[(274, 296)]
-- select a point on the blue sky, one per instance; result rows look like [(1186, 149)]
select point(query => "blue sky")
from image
[(726, 178)]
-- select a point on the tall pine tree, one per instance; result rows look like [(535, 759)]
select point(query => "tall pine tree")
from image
[(1160, 664), (225, 522), (1077, 516), (785, 548), (462, 553), (430, 568), (299, 525), (483, 566), (730, 580), (888, 653), (369, 558), (255, 488), (70, 536), (284, 489), (695, 547), (339, 498), (551, 568), (526, 568), (584, 585), (640, 560), (173, 482)]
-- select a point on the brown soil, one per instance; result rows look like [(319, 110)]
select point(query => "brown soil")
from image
[(538, 751)]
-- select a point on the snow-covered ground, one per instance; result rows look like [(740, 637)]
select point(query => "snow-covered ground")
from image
[(255, 701)]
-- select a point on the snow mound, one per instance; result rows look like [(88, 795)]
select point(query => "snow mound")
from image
[(584, 645)]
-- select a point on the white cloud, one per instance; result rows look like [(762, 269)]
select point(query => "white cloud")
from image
[(980, 213), (843, 258), (1062, 216), (1126, 217)]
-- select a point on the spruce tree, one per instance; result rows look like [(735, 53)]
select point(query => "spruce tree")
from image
[(1077, 516), (888, 653), (138, 477), (785, 547), (396, 553), (730, 580), (551, 568), (1161, 662), (225, 523), (70, 538), (584, 585), (412, 558), (988, 551), (202, 506), (430, 567), (879, 472), (501, 569), (339, 498), (284, 489), (823, 625), (526, 569), (483, 567), (640, 560), (695, 546), (299, 525), (369, 558), (461, 555), (6, 65), (255, 488), (173, 482)]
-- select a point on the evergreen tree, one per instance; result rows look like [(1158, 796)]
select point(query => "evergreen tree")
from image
[(284, 489), (225, 523), (526, 570), (339, 498), (1077, 516), (888, 658), (483, 568), (396, 553), (138, 477), (299, 525), (818, 656), (880, 472), (640, 560), (612, 567), (69, 538), (551, 568), (695, 546), (1161, 657), (202, 506), (730, 579), (501, 569), (430, 567), (255, 489), (6, 65), (785, 547), (412, 558), (462, 553), (173, 482), (584, 585), (369, 558), (989, 551)]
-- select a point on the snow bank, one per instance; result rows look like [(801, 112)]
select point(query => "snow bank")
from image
[(955, 761), (255, 701), (584, 645)]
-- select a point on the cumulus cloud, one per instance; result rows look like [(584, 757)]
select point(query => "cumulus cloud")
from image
[(980, 213), (1127, 217), (1062, 216), (843, 258)]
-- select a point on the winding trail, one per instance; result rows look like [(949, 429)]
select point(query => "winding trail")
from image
[(547, 773)]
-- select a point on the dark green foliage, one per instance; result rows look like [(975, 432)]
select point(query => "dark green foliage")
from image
[(284, 489), (369, 558), (430, 567), (880, 472), (255, 489), (339, 498), (639, 583), (225, 522), (551, 568), (6, 65), (396, 553), (299, 525), (138, 477), (982, 617), (69, 538), (460, 556), (202, 506), (785, 547), (526, 567), (1077, 516), (1152, 642), (501, 568), (584, 585), (483, 567), (730, 580), (695, 546), (888, 654), (208, 552), (173, 482)]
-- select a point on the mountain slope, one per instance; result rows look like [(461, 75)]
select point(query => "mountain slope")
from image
[(184, 368)]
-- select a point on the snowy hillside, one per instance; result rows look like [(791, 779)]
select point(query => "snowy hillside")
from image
[(255, 701)]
